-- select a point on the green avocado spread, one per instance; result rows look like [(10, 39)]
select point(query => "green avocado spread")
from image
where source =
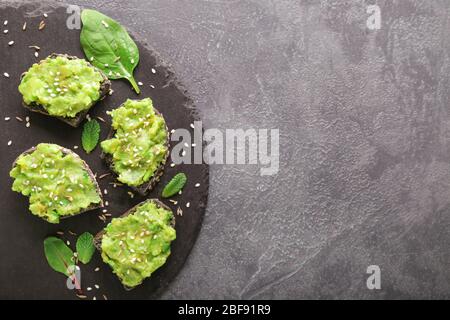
[(57, 182), (62, 86), (138, 244), (138, 147)]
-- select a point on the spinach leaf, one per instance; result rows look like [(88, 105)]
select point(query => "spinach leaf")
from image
[(59, 255), (109, 47), (85, 247), (175, 185)]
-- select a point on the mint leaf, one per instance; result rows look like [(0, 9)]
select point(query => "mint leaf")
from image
[(175, 185), (90, 135), (109, 47), (59, 255), (85, 247)]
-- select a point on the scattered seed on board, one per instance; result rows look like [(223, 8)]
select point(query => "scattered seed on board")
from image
[(192, 126), (104, 297), (24, 26), (101, 119), (172, 165), (97, 286), (88, 288), (35, 48), (10, 43), (153, 70), (197, 185), (94, 298), (5, 23), (42, 25), (188, 205), (106, 203), (9, 142), (5, 31), (7, 118), (152, 86), (60, 233), (27, 119), (140, 84), (19, 119), (45, 15), (105, 191), (36, 54), (27, 125), (104, 175), (97, 269), (6, 74), (104, 211)]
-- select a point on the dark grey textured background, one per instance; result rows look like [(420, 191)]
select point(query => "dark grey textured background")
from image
[(365, 155)]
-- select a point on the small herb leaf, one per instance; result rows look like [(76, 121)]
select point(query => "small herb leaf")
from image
[(90, 135), (175, 185), (109, 47), (59, 255), (85, 247)]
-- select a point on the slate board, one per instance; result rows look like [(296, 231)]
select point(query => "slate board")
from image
[(24, 272)]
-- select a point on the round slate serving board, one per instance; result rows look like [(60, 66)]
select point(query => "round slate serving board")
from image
[(24, 272)]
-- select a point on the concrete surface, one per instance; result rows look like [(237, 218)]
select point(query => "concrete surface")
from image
[(364, 135)]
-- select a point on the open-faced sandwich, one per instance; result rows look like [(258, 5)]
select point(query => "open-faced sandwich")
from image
[(64, 87), (138, 146), (138, 243), (57, 181)]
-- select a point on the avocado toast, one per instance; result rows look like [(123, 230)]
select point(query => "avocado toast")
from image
[(64, 87), (58, 182), (138, 145), (137, 243)]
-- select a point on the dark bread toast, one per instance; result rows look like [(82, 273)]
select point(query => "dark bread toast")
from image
[(76, 121), (86, 167), (99, 236), (145, 188)]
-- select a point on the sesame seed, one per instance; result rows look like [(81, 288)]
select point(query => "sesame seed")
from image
[(188, 205), (35, 47), (153, 70), (5, 23), (89, 289), (97, 286), (94, 298), (140, 83), (172, 165), (105, 191), (27, 125), (193, 145), (106, 203), (68, 242), (27, 119), (5, 31), (24, 26), (152, 86), (9, 142), (10, 43), (186, 145), (197, 185), (41, 25), (6, 74), (36, 54), (192, 126), (75, 147), (7, 118), (97, 269), (172, 131), (45, 15), (105, 211)]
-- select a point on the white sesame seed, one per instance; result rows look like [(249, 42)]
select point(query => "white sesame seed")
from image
[(68, 242), (45, 15), (89, 289), (24, 26), (97, 286), (7, 118), (6, 74), (5, 31), (186, 145), (75, 147), (106, 203), (105, 211), (192, 126), (97, 269), (36, 54), (183, 153), (94, 298), (27, 119), (9, 142), (152, 86), (27, 125), (193, 145), (197, 185), (153, 70), (10, 43), (5, 23), (172, 165), (172, 131), (140, 83), (188, 205), (105, 191)]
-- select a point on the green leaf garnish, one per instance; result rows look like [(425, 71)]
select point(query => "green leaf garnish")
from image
[(59, 255), (90, 135), (175, 185), (85, 247), (109, 47)]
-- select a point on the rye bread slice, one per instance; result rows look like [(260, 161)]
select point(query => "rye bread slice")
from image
[(145, 188), (105, 86), (99, 236), (89, 171)]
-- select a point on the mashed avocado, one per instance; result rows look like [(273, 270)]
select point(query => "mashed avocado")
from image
[(138, 146), (138, 244), (62, 86), (57, 183)]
